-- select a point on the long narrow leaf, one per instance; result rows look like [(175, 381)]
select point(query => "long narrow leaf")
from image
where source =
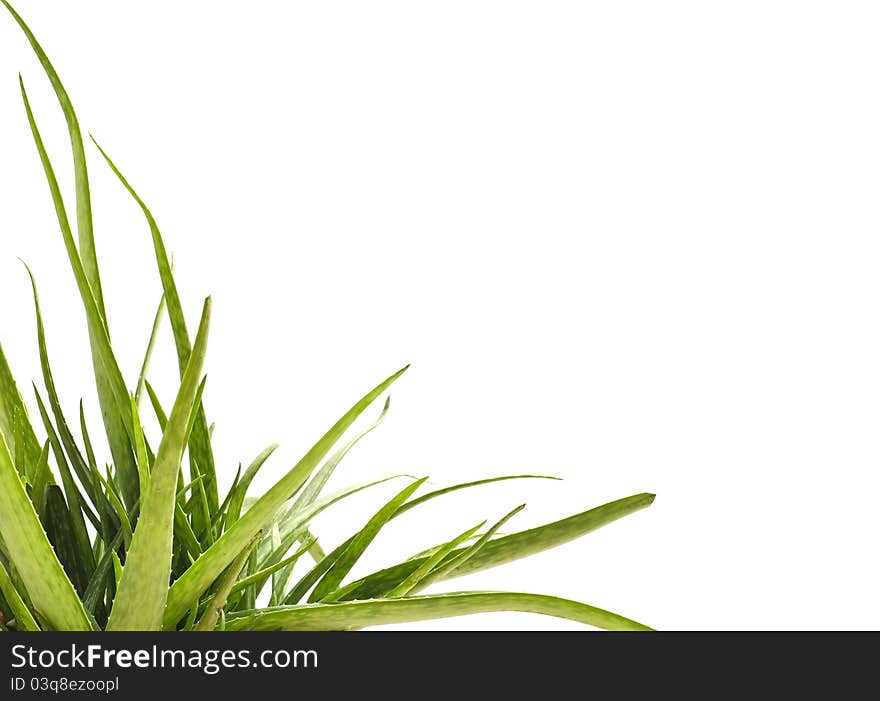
[(359, 614), (263, 574), (71, 449), (467, 485), (200, 443), (208, 567), (23, 618), (215, 606), (74, 497), (102, 572), (310, 578), (12, 408), (148, 353), (63, 532), (140, 598), (292, 525), (83, 197), (295, 528), (161, 416), (408, 584), (112, 394), (360, 542), (311, 491), (239, 490), (447, 566), (513, 546), (42, 479), (48, 588)]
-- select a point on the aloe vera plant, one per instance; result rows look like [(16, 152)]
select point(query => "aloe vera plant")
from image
[(139, 545)]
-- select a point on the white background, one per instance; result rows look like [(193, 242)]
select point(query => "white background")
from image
[(634, 244)]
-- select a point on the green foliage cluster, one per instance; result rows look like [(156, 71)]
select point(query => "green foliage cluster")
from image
[(146, 544)]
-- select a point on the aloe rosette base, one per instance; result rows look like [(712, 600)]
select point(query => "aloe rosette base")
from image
[(145, 544)]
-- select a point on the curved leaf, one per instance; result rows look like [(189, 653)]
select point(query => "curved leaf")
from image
[(24, 619), (12, 410), (311, 491), (193, 583), (513, 546), (112, 394), (48, 587), (143, 588), (328, 584), (83, 197), (408, 584), (293, 528), (239, 489), (359, 614), (215, 606), (448, 565), (312, 576), (200, 441)]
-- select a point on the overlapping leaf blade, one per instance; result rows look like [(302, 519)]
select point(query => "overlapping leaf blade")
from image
[(112, 393), (12, 411), (208, 567), (140, 597), (201, 453), (83, 196), (204, 544), (360, 614), (513, 546), (48, 587), (23, 616), (343, 564)]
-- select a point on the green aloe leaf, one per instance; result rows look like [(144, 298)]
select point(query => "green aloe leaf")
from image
[(213, 561), (200, 442), (112, 394), (139, 443), (184, 533), (227, 581), (23, 617), (239, 489), (148, 353), (293, 527), (62, 530), (311, 491), (103, 571), (330, 581), (74, 497), (83, 197), (48, 588), (310, 578), (76, 460), (12, 411), (161, 416), (42, 479), (87, 441), (445, 567), (134, 545), (513, 546), (117, 506), (257, 578), (467, 485), (410, 583), (360, 614), (140, 597), (220, 518)]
